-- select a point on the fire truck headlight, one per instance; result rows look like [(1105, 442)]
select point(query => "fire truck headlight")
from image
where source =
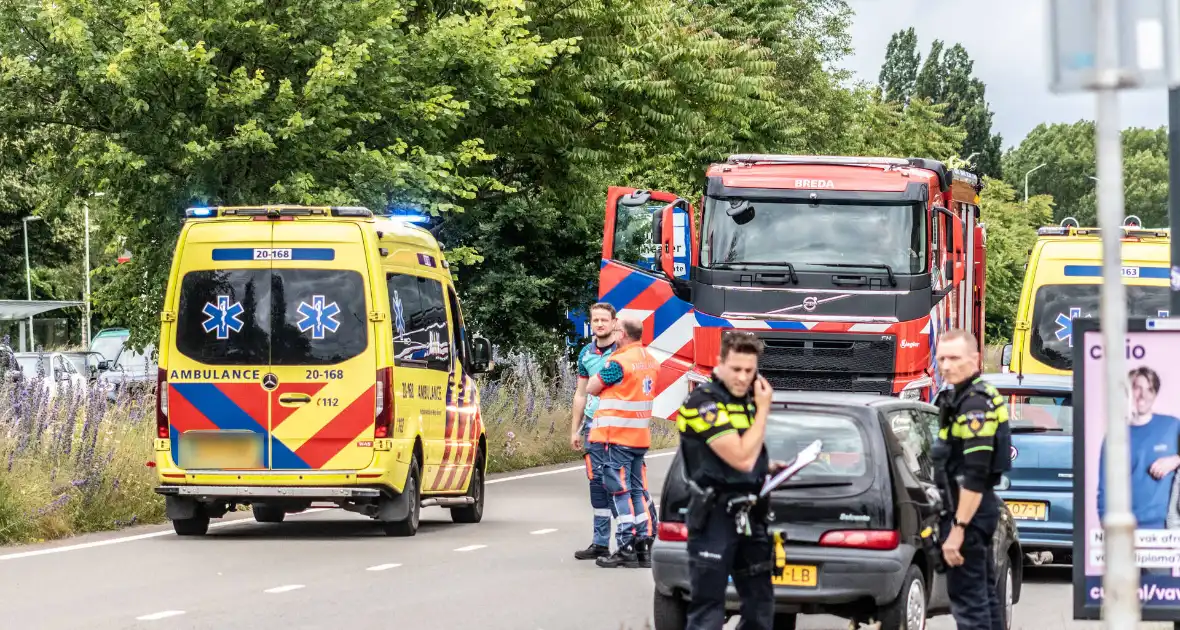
[(910, 394), (913, 389)]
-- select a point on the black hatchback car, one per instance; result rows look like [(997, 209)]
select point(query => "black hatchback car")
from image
[(851, 519)]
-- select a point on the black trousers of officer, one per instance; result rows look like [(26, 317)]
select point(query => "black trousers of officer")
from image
[(716, 551), (971, 586)]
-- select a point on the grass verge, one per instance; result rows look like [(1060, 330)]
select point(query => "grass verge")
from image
[(76, 463)]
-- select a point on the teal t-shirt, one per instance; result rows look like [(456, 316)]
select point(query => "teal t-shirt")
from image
[(590, 362)]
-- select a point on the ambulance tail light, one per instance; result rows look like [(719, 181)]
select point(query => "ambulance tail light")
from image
[(862, 539), (162, 404), (672, 532), (383, 418)]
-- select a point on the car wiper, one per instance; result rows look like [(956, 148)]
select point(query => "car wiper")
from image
[(1037, 430), (887, 268), (730, 265)]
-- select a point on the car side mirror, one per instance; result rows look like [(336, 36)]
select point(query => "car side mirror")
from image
[(1006, 356), (481, 355), (104, 365)]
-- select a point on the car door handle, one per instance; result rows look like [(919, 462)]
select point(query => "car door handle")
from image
[(294, 399)]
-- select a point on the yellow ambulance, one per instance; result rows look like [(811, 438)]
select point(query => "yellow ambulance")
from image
[(315, 355), (1063, 279)]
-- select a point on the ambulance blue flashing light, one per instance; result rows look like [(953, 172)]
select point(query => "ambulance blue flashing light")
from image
[(200, 213)]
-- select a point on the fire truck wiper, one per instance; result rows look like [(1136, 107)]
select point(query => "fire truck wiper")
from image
[(789, 266), (887, 268)]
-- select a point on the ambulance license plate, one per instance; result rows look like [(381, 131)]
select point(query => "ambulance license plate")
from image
[(805, 576), (222, 450), (1029, 510)]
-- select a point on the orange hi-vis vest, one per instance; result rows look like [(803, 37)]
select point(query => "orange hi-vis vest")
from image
[(624, 409)]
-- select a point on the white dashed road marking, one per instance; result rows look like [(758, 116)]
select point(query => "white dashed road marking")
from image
[(382, 567), (471, 547), (284, 589), (542, 531), (160, 615)]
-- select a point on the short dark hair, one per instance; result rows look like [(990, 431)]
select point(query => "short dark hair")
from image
[(633, 328), (741, 343), (1153, 378), (604, 306), (961, 333)]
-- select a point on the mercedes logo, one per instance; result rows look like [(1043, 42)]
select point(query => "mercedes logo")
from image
[(809, 303), (269, 382)]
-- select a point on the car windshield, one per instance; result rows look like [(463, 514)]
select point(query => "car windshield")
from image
[(108, 346), (1030, 411), (843, 456), (812, 235), (1056, 305), (79, 361)]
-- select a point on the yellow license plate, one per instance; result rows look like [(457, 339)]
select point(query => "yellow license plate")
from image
[(1029, 510), (222, 450), (796, 575)]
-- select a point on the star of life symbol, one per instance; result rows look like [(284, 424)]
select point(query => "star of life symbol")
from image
[(400, 322), (318, 317), (223, 317), (648, 385), (1065, 330)]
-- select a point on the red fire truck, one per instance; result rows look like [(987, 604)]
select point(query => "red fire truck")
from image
[(847, 267)]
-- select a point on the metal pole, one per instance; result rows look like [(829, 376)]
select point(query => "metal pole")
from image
[(29, 283), (1174, 184), (1121, 578), (1030, 172), (86, 298)]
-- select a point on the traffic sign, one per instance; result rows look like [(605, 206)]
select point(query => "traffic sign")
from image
[(1148, 50)]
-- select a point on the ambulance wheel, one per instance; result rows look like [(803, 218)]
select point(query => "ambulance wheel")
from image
[(413, 490), (197, 525), (472, 513), (268, 513)]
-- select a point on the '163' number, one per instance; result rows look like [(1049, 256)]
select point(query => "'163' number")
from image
[(331, 375)]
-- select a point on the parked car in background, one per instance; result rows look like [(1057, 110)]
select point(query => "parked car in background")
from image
[(89, 364), (109, 343), (1039, 488), (57, 373), (851, 520), (133, 372)]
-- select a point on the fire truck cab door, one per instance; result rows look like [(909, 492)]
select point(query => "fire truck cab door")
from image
[(648, 229)]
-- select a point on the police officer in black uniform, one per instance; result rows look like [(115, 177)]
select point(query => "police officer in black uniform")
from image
[(722, 426), (970, 455)]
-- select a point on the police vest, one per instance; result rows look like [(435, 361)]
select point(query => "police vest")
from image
[(994, 425), (624, 409)]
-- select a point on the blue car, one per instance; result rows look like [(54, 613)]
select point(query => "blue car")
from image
[(1039, 488)]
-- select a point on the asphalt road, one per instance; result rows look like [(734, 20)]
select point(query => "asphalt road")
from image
[(335, 570)]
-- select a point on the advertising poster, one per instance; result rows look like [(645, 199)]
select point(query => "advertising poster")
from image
[(1151, 385)]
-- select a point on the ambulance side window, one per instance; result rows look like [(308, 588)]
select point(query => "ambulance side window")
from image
[(421, 336)]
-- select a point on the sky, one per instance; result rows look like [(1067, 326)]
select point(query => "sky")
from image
[(1007, 41)]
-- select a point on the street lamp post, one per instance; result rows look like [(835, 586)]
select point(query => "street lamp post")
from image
[(86, 298), (1030, 172), (29, 276)]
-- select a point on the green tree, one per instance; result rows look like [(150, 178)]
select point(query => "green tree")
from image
[(899, 72), (1011, 228), (331, 101), (1068, 152), (929, 84)]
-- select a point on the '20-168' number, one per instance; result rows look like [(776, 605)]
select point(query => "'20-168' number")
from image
[(331, 375)]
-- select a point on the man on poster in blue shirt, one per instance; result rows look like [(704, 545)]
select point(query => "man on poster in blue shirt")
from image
[(1155, 453)]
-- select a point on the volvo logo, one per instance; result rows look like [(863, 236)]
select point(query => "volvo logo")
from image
[(810, 302)]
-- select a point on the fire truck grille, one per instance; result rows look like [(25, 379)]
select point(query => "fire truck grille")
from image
[(829, 361)]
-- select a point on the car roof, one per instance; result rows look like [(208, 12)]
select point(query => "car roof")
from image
[(840, 399), (1011, 380)]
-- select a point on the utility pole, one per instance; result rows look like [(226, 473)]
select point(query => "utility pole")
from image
[(1120, 580), (29, 278)]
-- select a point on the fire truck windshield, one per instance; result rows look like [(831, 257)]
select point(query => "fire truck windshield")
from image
[(813, 235)]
